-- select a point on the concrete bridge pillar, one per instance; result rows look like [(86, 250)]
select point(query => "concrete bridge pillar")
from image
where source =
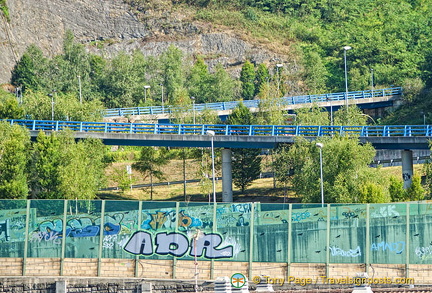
[(407, 167), (227, 192)]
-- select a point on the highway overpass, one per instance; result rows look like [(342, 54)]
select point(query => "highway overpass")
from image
[(369, 99), (392, 137)]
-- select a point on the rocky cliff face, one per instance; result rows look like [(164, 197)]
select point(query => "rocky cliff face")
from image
[(116, 26)]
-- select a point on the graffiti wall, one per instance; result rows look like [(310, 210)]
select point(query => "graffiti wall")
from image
[(381, 233)]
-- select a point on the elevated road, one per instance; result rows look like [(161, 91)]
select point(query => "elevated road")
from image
[(364, 99), (233, 136), (393, 137)]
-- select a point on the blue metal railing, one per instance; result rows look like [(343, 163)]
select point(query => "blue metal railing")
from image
[(285, 101), (198, 129)]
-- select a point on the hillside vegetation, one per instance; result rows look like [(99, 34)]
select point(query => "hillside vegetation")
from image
[(389, 45)]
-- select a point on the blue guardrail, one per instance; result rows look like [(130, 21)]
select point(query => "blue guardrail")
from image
[(201, 129), (284, 101)]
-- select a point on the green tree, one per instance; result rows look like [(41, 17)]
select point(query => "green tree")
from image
[(315, 73), (172, 68), (246, 163), (396, 190), (354, 116), (345, 171), (38, 105), (262, 78), (416, 192), (9, 107), (122, 178), (30, 70), (199, 83), (150, 163), (372, 192), (283, 165), (62, 168), (14, 148), (247, 77), (118, 82), (314, 115), (270, 112), (223, 88), (82, 172)]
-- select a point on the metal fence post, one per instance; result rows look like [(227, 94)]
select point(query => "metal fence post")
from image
[(63, 248), (138, 227), (251, 239), (174, 264), (407, 240), (214, 229), (101, 237), (24, 264), (289, 241), (328, 242), (367, 246)]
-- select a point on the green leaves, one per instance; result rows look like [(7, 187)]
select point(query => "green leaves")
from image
[(14, 145), (150, 163), (246, 163), (347, 176), (247, 77), (61, 168)]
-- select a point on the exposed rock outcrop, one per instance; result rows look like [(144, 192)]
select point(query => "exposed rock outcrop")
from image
[(116, 26)]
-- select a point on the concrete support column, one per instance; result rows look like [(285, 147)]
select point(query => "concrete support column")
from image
[(227, 193), (407, 167)]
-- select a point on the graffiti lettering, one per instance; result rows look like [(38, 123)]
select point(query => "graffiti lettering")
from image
[(388, 211), (336, 251), (297, 217), (177, 244), (241, 208), (424, 252), (46, 236), (396, 247), (109, 241), (4, 230)]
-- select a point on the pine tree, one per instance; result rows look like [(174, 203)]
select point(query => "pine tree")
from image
[(246, 163)]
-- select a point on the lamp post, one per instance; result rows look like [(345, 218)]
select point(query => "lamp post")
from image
[(320, 146), (212, 134), (161, 84), (346, 48), (52, 106), (279, 65), (193, 108), (372, 82), (146, 87), (79, 85)]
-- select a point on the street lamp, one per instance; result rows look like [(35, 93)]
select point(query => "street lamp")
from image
[(346, 48), (161, 84), (279, 65), (320, 146), (372, 82), (52, 106), (193, 108), (146, 87), (79, 85), (212, 134)]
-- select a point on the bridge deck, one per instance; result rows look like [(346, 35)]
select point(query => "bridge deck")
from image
[(233, 136)]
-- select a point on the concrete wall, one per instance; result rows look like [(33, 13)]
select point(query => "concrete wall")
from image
[(161, 272)]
